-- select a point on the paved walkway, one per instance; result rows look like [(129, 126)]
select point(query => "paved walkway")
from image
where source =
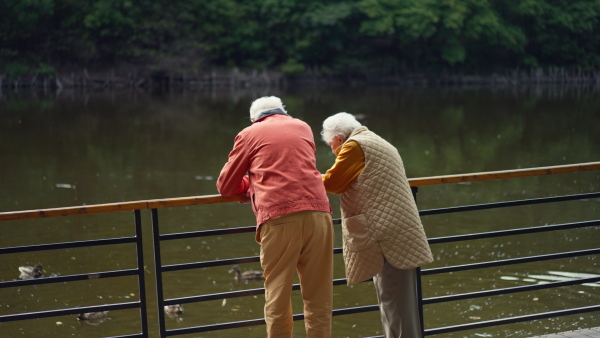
[(584, 333)]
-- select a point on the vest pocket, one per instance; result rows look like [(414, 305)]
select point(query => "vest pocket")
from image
[(356, 233)]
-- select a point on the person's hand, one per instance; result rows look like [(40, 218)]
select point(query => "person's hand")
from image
[(246, 198)]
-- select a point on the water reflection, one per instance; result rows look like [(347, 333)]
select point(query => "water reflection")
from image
[(557, 276)]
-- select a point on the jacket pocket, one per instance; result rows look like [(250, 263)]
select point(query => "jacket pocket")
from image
[(356, 233)]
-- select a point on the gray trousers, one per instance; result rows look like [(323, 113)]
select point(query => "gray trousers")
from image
[(398, 303)]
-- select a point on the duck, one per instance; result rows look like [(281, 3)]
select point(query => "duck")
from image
[(28, 272), (173, 310), (247, 275), (92, 315)]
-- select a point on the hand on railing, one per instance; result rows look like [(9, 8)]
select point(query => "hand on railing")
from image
[(246, 198)]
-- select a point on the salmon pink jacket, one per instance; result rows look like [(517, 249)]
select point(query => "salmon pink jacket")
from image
[(274, 160)]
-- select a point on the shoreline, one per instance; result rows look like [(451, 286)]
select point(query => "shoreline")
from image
[(237, 79)]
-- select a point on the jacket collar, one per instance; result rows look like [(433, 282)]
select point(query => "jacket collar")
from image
[(269, 113), (358, 130)]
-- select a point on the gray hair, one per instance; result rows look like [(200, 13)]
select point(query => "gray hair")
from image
[(263, 104), (342, 124)]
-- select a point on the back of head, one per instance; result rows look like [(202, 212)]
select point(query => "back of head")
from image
[(342, 124), (263, 104)]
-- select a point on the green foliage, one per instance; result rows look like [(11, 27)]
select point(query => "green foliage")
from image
[(45, 69), (15, 69), (292, 67), (338, 36), (23, 27), (443, 30), (110, 18), (558, 32)]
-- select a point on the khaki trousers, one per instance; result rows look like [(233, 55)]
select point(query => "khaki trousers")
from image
[(398, 302), (302, 242)]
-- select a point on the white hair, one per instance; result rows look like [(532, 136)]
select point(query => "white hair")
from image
[(263, 104), (342, 124)]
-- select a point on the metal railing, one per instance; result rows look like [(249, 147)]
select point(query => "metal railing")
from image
[(505, 262), (138, 271), (154, 205)]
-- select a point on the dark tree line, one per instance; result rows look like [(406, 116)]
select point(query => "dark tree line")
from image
[(329, 36)]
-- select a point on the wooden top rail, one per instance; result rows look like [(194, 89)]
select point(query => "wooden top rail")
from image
[(212, 199), (113, 207), (498, 175)]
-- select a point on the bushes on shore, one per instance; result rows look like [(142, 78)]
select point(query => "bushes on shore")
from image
[(347, 37)]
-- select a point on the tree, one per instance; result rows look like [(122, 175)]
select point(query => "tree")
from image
[(560, 32), (439, 31), (23, 26)]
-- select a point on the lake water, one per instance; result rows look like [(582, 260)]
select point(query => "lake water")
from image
[(72, 148)]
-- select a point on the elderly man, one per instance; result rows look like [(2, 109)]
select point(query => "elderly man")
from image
[(273, 161), (382, 233)]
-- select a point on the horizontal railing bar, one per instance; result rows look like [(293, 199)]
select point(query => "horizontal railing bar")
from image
[(219, 262), (72, 211), (511, 261), (114, 207), (359, 309), (495, 205), (209, 264), (233, 294), (504, 291), (70, 311), (207, 233), (67, 245), (215, 327), (217, 232), (511, 320), (504, 174), (261, 321), (345, 311), (510, 232), (212, 199), (437, 240), (130, 335), (68, 278), (215, 296)]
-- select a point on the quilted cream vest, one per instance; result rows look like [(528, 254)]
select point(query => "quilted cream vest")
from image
[(379, 214)]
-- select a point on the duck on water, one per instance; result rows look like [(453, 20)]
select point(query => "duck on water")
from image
[(250, 275), (28, 272)]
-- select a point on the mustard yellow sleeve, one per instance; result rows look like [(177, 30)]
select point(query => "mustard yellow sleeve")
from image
[(349, 163)]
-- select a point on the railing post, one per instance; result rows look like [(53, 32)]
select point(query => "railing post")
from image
[(414, 190), (158, 274), (141, 278), (418, 281), (420, 302)]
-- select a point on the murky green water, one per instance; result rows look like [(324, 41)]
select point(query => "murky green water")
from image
[(77, 149)]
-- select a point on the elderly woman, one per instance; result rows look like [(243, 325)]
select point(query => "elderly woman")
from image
[(382, 233)]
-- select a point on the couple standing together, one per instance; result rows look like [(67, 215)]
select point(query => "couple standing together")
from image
[(273, 162)]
